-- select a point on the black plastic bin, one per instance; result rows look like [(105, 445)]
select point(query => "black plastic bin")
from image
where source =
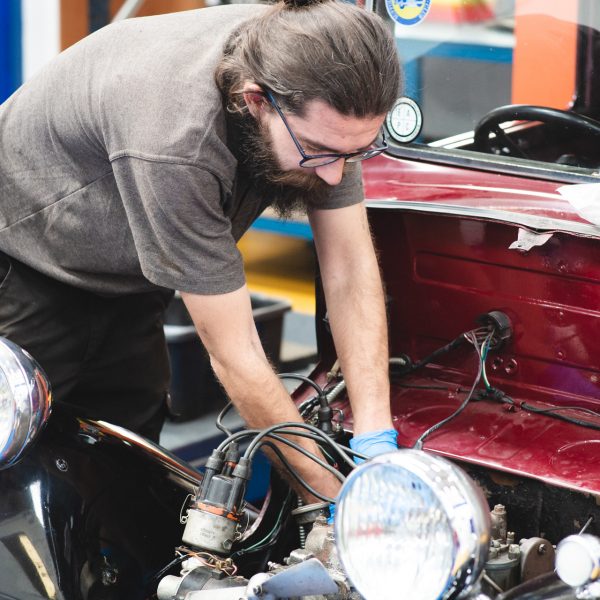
[(194, 387)]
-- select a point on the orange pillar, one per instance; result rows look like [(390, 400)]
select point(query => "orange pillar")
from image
[(545, 56), (157, 7), (74, 21), (74, 15)]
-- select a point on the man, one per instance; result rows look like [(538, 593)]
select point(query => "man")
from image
[(131, 165)]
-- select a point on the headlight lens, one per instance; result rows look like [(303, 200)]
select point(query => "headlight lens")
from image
[(25, 401), (411, 525), (578, 559)]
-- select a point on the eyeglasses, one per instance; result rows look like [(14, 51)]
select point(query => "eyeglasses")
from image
[(320, 160)]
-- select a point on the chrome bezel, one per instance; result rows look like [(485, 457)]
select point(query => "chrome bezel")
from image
[(29, 395), (411, 105), (463, 502)]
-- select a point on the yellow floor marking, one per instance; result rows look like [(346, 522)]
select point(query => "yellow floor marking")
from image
[(280, 266)]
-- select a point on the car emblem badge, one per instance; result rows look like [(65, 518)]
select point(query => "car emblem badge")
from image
[(407, 12)]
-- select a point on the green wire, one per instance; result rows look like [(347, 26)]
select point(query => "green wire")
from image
[(484, 352), (268, 536)]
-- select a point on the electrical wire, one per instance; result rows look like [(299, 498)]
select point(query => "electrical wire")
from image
[(295, 475), (320, 398), (443, 388), (455, 343), (553, 412), (271, 537), (493, 393), (471, 337), (310, 433), (308, 381), (221, 416), (339, 449), (308, 454), (160, 574), (234, 437), (588, 411), (308, 405), (290, 429), (588, 523)]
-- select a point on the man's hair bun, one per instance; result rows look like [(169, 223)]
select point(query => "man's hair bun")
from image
[(298, 4)]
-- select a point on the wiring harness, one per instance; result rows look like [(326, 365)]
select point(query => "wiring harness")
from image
[(494, 332)]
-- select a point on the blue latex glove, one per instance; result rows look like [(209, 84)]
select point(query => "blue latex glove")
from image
[(331, 514), (374, 443)]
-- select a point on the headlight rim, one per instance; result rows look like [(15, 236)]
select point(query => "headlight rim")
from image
[(467, 566), (30, 396)]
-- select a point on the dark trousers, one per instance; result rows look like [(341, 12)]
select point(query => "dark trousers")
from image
[(105, 357)]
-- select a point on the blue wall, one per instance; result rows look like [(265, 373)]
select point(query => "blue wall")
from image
[(10, 47)]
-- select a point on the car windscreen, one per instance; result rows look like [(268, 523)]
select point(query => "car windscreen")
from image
[(499, 79)]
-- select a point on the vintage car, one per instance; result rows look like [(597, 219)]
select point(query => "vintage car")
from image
[(484, 210)]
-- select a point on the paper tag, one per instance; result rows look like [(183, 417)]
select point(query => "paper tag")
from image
[(585, 199), (526, 240)]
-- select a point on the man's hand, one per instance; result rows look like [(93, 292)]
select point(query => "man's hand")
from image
[(226, 326), (374, 443)]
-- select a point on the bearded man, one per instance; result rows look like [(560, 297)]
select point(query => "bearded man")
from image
[(131, 165)]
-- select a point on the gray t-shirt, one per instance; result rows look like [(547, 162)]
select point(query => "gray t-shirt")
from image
[(115, 175)]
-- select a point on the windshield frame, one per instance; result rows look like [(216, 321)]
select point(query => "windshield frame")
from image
[(505, 164)]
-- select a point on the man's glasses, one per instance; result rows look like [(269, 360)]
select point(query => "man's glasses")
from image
[(319, 160)]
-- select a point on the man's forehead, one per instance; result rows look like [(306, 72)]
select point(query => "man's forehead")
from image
[(323, 127)]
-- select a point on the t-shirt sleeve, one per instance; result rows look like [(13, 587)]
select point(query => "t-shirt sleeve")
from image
[(182, 237), (349, 191)]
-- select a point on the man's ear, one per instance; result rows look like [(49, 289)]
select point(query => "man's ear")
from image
[(254, 98)]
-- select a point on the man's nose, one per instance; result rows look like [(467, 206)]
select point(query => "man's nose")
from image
[(331, 173)]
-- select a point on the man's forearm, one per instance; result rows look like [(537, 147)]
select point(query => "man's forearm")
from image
[(262, 401), (226, 327), (356, 309)]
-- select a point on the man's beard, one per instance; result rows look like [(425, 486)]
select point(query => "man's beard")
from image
[(288, 192)]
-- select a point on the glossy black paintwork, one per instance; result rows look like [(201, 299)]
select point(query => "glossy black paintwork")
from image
[(89, 513)]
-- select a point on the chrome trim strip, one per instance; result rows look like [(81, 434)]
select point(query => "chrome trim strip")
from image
[(496, 164), (533, 222)]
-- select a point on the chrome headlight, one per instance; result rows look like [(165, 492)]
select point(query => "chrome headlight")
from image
[(25, 401), (578, 559), (411, 525)]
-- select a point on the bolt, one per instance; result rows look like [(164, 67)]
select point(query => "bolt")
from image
[(542, 549), (510, 537), (499, 509), (514, 551), (62, 465), (227, 544)]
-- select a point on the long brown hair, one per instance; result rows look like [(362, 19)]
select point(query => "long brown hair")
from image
[(317, 49)]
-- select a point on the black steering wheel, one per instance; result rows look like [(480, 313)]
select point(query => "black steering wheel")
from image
[(525, 112)]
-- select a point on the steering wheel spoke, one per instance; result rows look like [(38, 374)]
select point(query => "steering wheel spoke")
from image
[(504, 140)]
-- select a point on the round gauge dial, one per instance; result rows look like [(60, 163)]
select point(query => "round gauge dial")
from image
[(405, 120)]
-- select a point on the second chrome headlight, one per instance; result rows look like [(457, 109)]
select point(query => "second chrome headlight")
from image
[(411, 525), (25, 401)]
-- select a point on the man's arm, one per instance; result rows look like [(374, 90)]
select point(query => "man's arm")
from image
[(226, 326), (356, 309)]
